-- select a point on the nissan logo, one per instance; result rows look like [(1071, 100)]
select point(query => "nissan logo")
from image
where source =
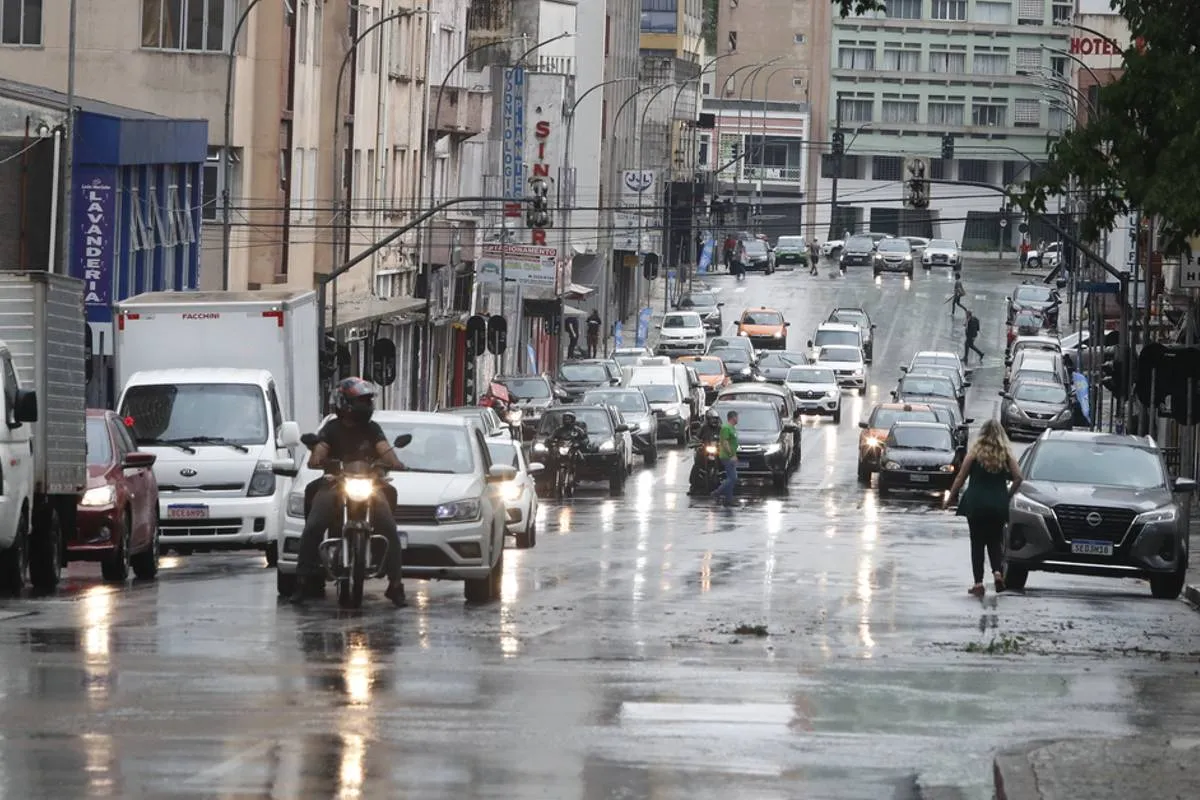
[(188, 472), (1094, 519)]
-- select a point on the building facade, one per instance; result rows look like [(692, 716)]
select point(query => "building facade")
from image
[(989, 74)]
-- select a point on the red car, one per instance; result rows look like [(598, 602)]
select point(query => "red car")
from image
[(117, 521)]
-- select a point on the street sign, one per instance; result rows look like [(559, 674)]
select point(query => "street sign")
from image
[(1099, 287), (1023, 228)]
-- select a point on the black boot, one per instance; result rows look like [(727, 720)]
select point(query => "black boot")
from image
[(395, 593)]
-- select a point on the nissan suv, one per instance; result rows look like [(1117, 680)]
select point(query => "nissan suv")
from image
[(1098, 504)]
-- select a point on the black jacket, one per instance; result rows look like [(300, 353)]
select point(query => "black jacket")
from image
[(972, 327), (570, 433)]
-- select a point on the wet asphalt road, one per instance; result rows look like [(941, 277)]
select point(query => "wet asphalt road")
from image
[(611, 668)]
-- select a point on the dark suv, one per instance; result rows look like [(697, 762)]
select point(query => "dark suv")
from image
[(1098, 504), (859, 251)]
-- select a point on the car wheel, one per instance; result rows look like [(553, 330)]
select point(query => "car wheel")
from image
[(272, 553), (682, 438), (145, 563), (486, 589), (910, 274), (862, 390), (837, 416), (616, 482), (650, 457), (1015, 577), (45, 551), (115, 568), (780, 481), (285, 583), (1168, 587), (15, 560), (527, 538), (875, 273), (864, 474)]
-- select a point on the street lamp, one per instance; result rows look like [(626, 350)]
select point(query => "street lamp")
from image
[(642, 164), (227, 177), (762, 150), (699, 76), (748, 80)]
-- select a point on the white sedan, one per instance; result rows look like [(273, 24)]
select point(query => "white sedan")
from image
[(519, 494)]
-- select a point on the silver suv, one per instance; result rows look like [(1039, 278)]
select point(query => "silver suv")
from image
[(1098, 504)]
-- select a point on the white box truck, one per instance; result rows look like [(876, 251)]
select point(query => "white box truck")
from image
[(219, 385), (43, 443)]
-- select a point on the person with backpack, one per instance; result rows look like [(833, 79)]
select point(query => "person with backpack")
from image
[(972, 332)]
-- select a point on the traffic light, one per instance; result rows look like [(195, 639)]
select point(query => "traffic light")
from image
[(947, 147), (918, 193), (650, 266), (1113, 378), (737, 150), (839, 143), (477, 334), (497, 335), (538, 213)]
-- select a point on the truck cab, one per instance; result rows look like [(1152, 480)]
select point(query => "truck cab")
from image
[(217, 434), (16, 456)]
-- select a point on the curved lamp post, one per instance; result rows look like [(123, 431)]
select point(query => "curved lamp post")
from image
[(227, 148), (642, 166), (749, 80), (762, 148)]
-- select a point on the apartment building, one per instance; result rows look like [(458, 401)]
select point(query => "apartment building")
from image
[(989, 73)]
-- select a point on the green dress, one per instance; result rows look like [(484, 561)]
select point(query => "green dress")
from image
[(986, 493)]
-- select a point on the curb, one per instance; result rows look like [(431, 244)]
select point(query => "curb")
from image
[(1012, 775), (1191, 594)]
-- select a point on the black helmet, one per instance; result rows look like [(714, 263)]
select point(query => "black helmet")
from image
[(712, 416), (355, 399), (568, 418)]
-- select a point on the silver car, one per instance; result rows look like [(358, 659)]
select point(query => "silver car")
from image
[(941, 253), (1032, 406), (894, 255)]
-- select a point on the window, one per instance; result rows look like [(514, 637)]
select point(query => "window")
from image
[(950, 61), (1058, 65), (373, 41), (11, 385), (857, 109), (860, 56), (901, 58), (187, 25), (988, 113), (732, 41), (183, 215), (365, 20), (798, 38), (702, 147), (1057, 119), (369, 188), (21, 22), (797, 83), (318, 38), (1031, 11), (993, 13), (973, 170), (156, 221), (1062, 12), (1027, 114), (990, 61), (302, 32), (295, 171), (607, 32), (140, 237), (900, 108), (660, 16), (939, 169), (1016, 171), (172, 220), (210, 191), (1029, 59), (887, 168), (904, 9), (949, 10), (946, 112)]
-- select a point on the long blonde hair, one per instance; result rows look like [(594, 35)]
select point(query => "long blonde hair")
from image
[(991, 449)]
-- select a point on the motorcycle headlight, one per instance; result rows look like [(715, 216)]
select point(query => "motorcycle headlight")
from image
[(711, 449), (99, 496), (948, 468), (1164, 514), (458, 511), (510, 491), (295, 505), (564, 449), (515, 416), (608, 447), (891, 465), (358, 489), (773, 449), (745, 371)]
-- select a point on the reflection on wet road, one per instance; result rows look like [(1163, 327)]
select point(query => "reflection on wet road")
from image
[(627, 657)]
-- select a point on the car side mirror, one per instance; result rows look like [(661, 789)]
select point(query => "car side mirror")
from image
[(720, 305), (966, 384), (787, 324), (284, 468), (501, 473), (310, 440), (138, 460), (904, 369), (1184, 485), (1009, 299), (658, 327), (895, 395), (402, 441), (968, 421), (810, 344), (535, 467), (873, 327), (863, 425), (25, 409), (289, 435)]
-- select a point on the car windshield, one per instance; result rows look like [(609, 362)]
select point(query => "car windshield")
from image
[(627, 359), (921, 384), (841, 354), (848, 317), (847, 338), (913, 437), (1037, 375), (682, 321), (762, 318), (225, 413), (706, 366), (1040, 393), (527, 388), (503, 453), (1032, 294), (99, 445), (583, 373), (737, 344), (434, 448), (753, 247), (1095, 464), (699, 299), (660, 392), (810, 375), (778, 360), (760, 419), (943, 244), (947, 361), (771, 399), (895, 246), (949, 373), (860, 244), (627, 401), (946, 414), (596, 420), (734, 359), (884, 418), (790, 242)]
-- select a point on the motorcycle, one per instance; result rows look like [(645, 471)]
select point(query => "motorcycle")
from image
[(563, 456), (351, 552), (707, 472)]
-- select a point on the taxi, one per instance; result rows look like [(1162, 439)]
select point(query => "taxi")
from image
[(711, 372), (875, 430), (764, 327)]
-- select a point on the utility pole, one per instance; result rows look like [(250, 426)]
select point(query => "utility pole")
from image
[(837, 168)]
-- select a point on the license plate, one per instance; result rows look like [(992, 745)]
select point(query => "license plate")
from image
[(187, 512), (403, 540), (919, 478), (1087, 548), (743, 463)]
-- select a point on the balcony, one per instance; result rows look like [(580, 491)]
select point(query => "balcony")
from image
[(769, 174), (461, 113)]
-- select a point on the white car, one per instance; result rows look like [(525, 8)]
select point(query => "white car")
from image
[(519, 494), (451, 518), (670, 409), (832, 247), (941, 253), (847, 365), (681, 333), (816, 390), (836, 333), (1048, 258), (629, 356), (941, 358)]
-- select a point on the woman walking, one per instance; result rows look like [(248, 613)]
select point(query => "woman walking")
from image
[(992, 476)]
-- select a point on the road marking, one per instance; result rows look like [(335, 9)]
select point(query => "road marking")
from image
[(209, 777)]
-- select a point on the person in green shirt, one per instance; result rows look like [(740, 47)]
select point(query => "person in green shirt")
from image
[(727, 447)]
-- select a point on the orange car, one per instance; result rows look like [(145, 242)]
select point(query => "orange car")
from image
[(875, 429), (711, 371), (765, 327)]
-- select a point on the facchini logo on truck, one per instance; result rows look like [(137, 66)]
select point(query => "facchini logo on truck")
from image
[(204, 315)]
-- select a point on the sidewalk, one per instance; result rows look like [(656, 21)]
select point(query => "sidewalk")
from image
[(1157, 767)]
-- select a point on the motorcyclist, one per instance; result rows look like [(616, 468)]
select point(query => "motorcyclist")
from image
[(709, 434), (710, 428), (571, 430), (350, 436)]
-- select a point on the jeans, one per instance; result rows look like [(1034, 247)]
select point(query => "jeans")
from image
[(957, 303), (987, 533), (969, 347), (317, 522), (725, 490)]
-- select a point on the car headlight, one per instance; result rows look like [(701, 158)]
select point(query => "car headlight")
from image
[(99, 496), (608, 446), (891, 465), (873, 442), (539, 447), (358, 489), (742, 332), (645, 426), (772, 449), (1015, 410), (295, 505), (948, 468), (1165, 514), (1024, 504), (908, 257), (458, 511), (832, 393), (510, 491), (262, 482), (745, 371), (953, 258), (1066, 412), (778, 334), (857, 373), (671, 412)]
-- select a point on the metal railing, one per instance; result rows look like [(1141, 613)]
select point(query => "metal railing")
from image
[(779, 174)]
